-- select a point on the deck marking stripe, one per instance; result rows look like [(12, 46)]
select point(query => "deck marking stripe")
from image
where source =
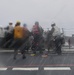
[(3, 68), (57, 68), (26, 69)]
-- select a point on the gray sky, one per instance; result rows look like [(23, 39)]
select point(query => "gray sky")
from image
[(45, 11)]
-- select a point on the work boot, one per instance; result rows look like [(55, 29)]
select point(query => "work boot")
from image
[(14, 58), (23, 57)]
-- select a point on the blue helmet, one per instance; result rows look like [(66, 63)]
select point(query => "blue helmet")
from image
[(24, 24), (36, 23)]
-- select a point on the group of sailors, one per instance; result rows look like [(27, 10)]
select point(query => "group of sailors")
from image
[(24, 39)]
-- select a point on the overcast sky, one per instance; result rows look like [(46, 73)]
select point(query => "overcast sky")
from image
[(45, 11)]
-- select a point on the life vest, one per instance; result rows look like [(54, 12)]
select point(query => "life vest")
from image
[(10, 29), (35, 29), (56, 31), (18, 32), (25, 32)]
